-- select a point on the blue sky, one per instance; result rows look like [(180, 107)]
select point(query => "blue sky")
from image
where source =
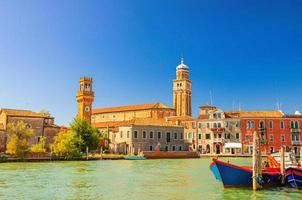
[(243, 51)]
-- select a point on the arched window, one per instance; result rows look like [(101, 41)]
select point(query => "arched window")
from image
[(215, 125), (292, 124), (261, 124), (296, 124), (270, 124)]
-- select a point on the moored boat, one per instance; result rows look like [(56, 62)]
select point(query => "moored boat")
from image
[(241, 176), (133, 157), (294, 177)]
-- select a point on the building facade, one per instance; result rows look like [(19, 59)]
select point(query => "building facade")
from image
[(218, 133), (43, 126), (139, 136), (275, 128), (126, 113)]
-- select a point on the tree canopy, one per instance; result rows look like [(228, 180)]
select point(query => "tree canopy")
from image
[(18, 139), (65, 145), (88, 136)]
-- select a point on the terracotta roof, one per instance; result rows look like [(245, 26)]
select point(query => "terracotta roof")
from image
[(181, 118), (142, 122), (292, 116), (255, 114), (23, 113), (207, 106), (146, 106), (203, 116)]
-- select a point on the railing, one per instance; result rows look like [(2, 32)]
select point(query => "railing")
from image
[(262, 129), (295, 130), (218, 140), (296, 142), (217, 130)]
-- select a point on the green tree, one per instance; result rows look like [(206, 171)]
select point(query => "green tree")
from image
[(18, 139), (45, 113), (39, 147), (88, 136), (65, 145)]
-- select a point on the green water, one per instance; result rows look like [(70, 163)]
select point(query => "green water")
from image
[(149, 179)]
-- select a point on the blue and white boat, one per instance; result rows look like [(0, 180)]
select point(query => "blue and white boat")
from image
[(294, 177), (240, 176)]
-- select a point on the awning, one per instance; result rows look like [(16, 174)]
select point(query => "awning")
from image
[(232, 145)]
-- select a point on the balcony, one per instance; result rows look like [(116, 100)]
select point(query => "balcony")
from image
[(295, 130), (261, 130), (218, 140), (296, 142), (217, 130)]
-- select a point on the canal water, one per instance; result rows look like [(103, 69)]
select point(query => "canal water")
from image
[(122, 179)]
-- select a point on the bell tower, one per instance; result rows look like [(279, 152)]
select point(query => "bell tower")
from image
[(85, 97), (182, 90)]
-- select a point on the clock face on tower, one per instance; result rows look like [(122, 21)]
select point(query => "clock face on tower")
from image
[(87, 109)]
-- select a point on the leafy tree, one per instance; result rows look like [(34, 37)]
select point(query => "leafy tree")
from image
[(18, 135), (39, 147), (65, 145), (88, 136), (45, 113)]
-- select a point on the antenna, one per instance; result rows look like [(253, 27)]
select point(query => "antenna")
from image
[(233, 105), (211, 98), (239, 106)]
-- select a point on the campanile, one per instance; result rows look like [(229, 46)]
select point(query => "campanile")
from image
[(182, 91)]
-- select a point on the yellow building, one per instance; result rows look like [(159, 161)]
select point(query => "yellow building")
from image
[(125, 113)]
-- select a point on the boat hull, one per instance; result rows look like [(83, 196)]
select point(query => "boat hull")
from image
[(135, 158), (294, 177), (237, 176)]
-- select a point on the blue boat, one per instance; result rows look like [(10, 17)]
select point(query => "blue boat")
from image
[(240, 176), (132, 157), (294, 177)]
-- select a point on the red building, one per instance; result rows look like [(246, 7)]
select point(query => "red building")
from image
[(275, 127)]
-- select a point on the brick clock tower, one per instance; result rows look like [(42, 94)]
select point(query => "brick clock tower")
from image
[(85, 97), (182, 91)]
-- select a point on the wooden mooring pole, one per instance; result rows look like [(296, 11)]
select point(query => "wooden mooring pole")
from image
[(256, 161), (282, 164)]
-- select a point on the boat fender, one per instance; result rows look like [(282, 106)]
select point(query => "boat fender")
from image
[(266, 178), (260, 180)]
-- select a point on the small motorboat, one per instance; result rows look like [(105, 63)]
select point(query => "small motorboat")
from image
[(294, 176), (240, 176), (133, 157)]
